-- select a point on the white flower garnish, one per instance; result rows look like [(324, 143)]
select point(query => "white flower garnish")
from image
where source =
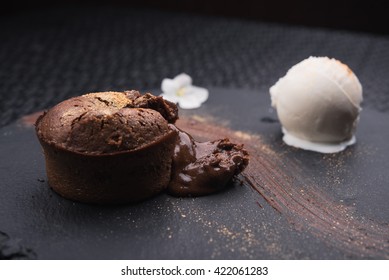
[(180, 90)]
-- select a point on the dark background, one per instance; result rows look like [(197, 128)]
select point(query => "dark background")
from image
[(52, 51), (360, 16)]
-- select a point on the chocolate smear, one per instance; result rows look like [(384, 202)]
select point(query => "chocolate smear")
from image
[(283, 184)]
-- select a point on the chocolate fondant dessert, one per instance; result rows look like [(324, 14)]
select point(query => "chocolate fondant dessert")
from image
[(119, 147)]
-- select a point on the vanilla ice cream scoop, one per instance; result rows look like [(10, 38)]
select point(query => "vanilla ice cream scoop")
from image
[(318, 104)]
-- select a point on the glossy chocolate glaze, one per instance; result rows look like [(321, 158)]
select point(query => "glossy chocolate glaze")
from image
[(201, 168)]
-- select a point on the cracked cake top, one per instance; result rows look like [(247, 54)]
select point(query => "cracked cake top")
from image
[(107, 122)]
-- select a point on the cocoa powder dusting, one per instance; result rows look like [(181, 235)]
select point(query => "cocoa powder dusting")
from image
[(282, 182)]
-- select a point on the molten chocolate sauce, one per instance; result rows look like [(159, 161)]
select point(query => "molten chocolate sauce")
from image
[(204, 168)]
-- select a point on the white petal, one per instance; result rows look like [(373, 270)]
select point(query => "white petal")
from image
[(189, 102), (183, 80), (169, 85), (172, 97), (201, 93)]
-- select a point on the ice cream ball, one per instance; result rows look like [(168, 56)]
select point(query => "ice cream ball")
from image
[(318, 105)]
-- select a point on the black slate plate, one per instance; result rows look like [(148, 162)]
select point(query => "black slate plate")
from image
[(342, 210)]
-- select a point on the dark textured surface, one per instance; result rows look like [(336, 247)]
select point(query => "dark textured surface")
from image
[(330, 206), (11, 249), (47, 56)]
